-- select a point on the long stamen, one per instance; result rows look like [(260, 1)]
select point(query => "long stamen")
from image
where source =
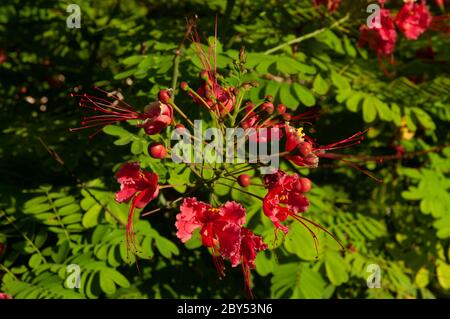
[(313, 234), (114, 97), (353, 165), (322, 228), (130, 234), (247, 281), (357, 137), (111, 111)]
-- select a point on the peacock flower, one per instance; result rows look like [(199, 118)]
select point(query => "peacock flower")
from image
[(137, 185), (413, 19), (380, 39), (113, 109)]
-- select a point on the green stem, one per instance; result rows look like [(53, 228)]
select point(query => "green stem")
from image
[(55, 211), (29, 241), (181, 113), (307, 36), (241, 190)]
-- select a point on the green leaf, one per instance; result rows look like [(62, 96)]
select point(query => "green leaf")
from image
[(166, 247), (304, 95), (336, 268), (353, 102), (340, 81), (300, 242), (443, 274), (369, 109), (91, 217), (383, 110), (115, 130), (351, 51), (118, 278), (320, 86), (422, 277), (287, 97), (106, 282)]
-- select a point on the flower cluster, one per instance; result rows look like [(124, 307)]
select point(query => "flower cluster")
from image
[(222, 227), (222, 231), (413, 19)]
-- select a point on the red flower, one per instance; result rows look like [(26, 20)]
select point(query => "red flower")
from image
[(4, 296), (331, 5), (283, 198), (300, 147), (216, 97), (155, 117), (413, 19), (264, 128), (220, 228), (251, 244), (382, 39), (136, 184)]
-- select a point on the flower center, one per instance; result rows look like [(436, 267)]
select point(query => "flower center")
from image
[(300, 133), (214, 210)]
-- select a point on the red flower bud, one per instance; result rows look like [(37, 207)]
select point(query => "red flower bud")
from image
[(281, 109), (157, 150), (180, 126), (164, 96), (244, 180), (287, 116), (303, 185), (184, 86), (268, 107), (204, 75)]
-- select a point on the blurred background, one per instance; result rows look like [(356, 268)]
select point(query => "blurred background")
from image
[(55, 183)]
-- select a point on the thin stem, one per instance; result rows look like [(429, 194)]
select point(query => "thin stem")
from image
[(239, 189), (36, 249), (307, 36), (181, 113), (55, 211)]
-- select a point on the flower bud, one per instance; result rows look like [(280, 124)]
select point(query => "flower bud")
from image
[(269, 98), (157, 150), (180, 126), (281, 109), (164, 96), (204, 75), (287, 116), (303, 185), (184, 86), (244, 180), (268, 107)]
